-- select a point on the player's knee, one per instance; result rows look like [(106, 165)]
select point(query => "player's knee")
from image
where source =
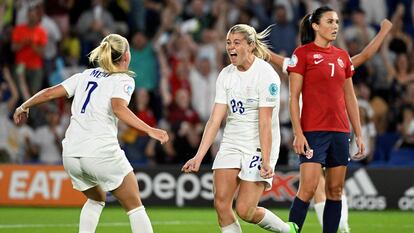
[(306, 192), (334, 191), (245, 212), (221, 204)]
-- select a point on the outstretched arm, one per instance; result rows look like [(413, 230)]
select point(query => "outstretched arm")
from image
[(210, 132), (42, 96), (121, 110), (373, 46)]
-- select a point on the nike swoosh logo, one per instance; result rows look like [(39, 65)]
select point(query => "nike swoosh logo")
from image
[(317, 62)]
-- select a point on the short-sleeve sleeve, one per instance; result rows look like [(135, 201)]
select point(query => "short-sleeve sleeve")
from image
[(70, 85), (123, 87), (297, 63), (269, 88), (349, 71), (221, 96)]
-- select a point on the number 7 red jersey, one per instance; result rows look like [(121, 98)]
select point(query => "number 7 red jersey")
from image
[(324, 71)]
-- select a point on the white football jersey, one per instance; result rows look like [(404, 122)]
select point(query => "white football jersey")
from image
[(93, 129), (244, 92)]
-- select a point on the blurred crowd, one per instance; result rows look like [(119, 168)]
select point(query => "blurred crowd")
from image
[(177, 51)]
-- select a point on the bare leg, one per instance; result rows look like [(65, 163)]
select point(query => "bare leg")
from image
[(248, 210), (128, 195), (226, 182), (335, 178)]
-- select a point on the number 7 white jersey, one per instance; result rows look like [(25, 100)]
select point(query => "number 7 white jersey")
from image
[(244, 93), (92, 131)]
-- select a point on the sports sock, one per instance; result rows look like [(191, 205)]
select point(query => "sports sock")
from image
[(140, 223), (331, 216), (298, 212), (89, 217), (273, 223), (319, 211), (232, 228), (343, 223)]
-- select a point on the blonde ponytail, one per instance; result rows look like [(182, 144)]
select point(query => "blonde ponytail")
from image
[(109, 53)]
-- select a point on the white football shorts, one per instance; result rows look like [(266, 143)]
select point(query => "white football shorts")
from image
[(88, 172), (248, 163)]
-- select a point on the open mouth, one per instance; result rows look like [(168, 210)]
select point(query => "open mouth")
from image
[(232, 54)]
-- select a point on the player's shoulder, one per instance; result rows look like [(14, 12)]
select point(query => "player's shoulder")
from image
[(304, 48), (339, 50), (263, 66), (228, 69)]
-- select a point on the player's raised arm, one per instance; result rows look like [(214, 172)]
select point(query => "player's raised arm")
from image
[(374, 45)]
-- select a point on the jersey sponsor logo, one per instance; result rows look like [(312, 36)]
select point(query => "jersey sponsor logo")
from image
[(128, 89), (407, 201), (317, 56), (340, 62), (318, 61), (362, 194), (293, 61), (273, 89)]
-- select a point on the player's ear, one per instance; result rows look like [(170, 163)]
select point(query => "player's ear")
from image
[(315, 26)]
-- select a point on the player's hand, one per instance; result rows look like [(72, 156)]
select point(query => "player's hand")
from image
[(386, 25), (192, 165), (301, 146), (20, 115), (361, 149), (159, 134), (266, 171)]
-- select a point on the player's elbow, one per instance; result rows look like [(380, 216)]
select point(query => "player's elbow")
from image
[(49, 93)]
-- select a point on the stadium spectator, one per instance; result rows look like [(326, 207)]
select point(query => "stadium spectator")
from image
[(8, 136), (28, 43), (248, 92), (282, 44), (322, 140), (203, 83), (91, 153), (47, 139), (185, 125), (92, 25)]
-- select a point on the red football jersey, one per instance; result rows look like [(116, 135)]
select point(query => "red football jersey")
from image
[(324, 71)]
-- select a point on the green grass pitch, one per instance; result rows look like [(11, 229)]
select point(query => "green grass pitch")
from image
[(183, 220)]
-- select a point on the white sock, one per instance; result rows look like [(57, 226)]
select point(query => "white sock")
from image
[(140, 223), (232, 228), (319, 207), (89, 217), (343, 223), (273, 223)]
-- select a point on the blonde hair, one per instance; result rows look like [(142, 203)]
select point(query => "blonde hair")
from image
[(109, 53), (251, 36)]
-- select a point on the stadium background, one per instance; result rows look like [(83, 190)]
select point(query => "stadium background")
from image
[(177, 50)]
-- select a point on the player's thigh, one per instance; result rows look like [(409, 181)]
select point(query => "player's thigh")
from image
[(250, 194), (335, 179), (225, 184), (308, 180), (128, 192), (95, 193)]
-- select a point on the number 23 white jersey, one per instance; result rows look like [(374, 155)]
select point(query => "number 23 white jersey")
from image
[(244, 93), (92, 131)]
